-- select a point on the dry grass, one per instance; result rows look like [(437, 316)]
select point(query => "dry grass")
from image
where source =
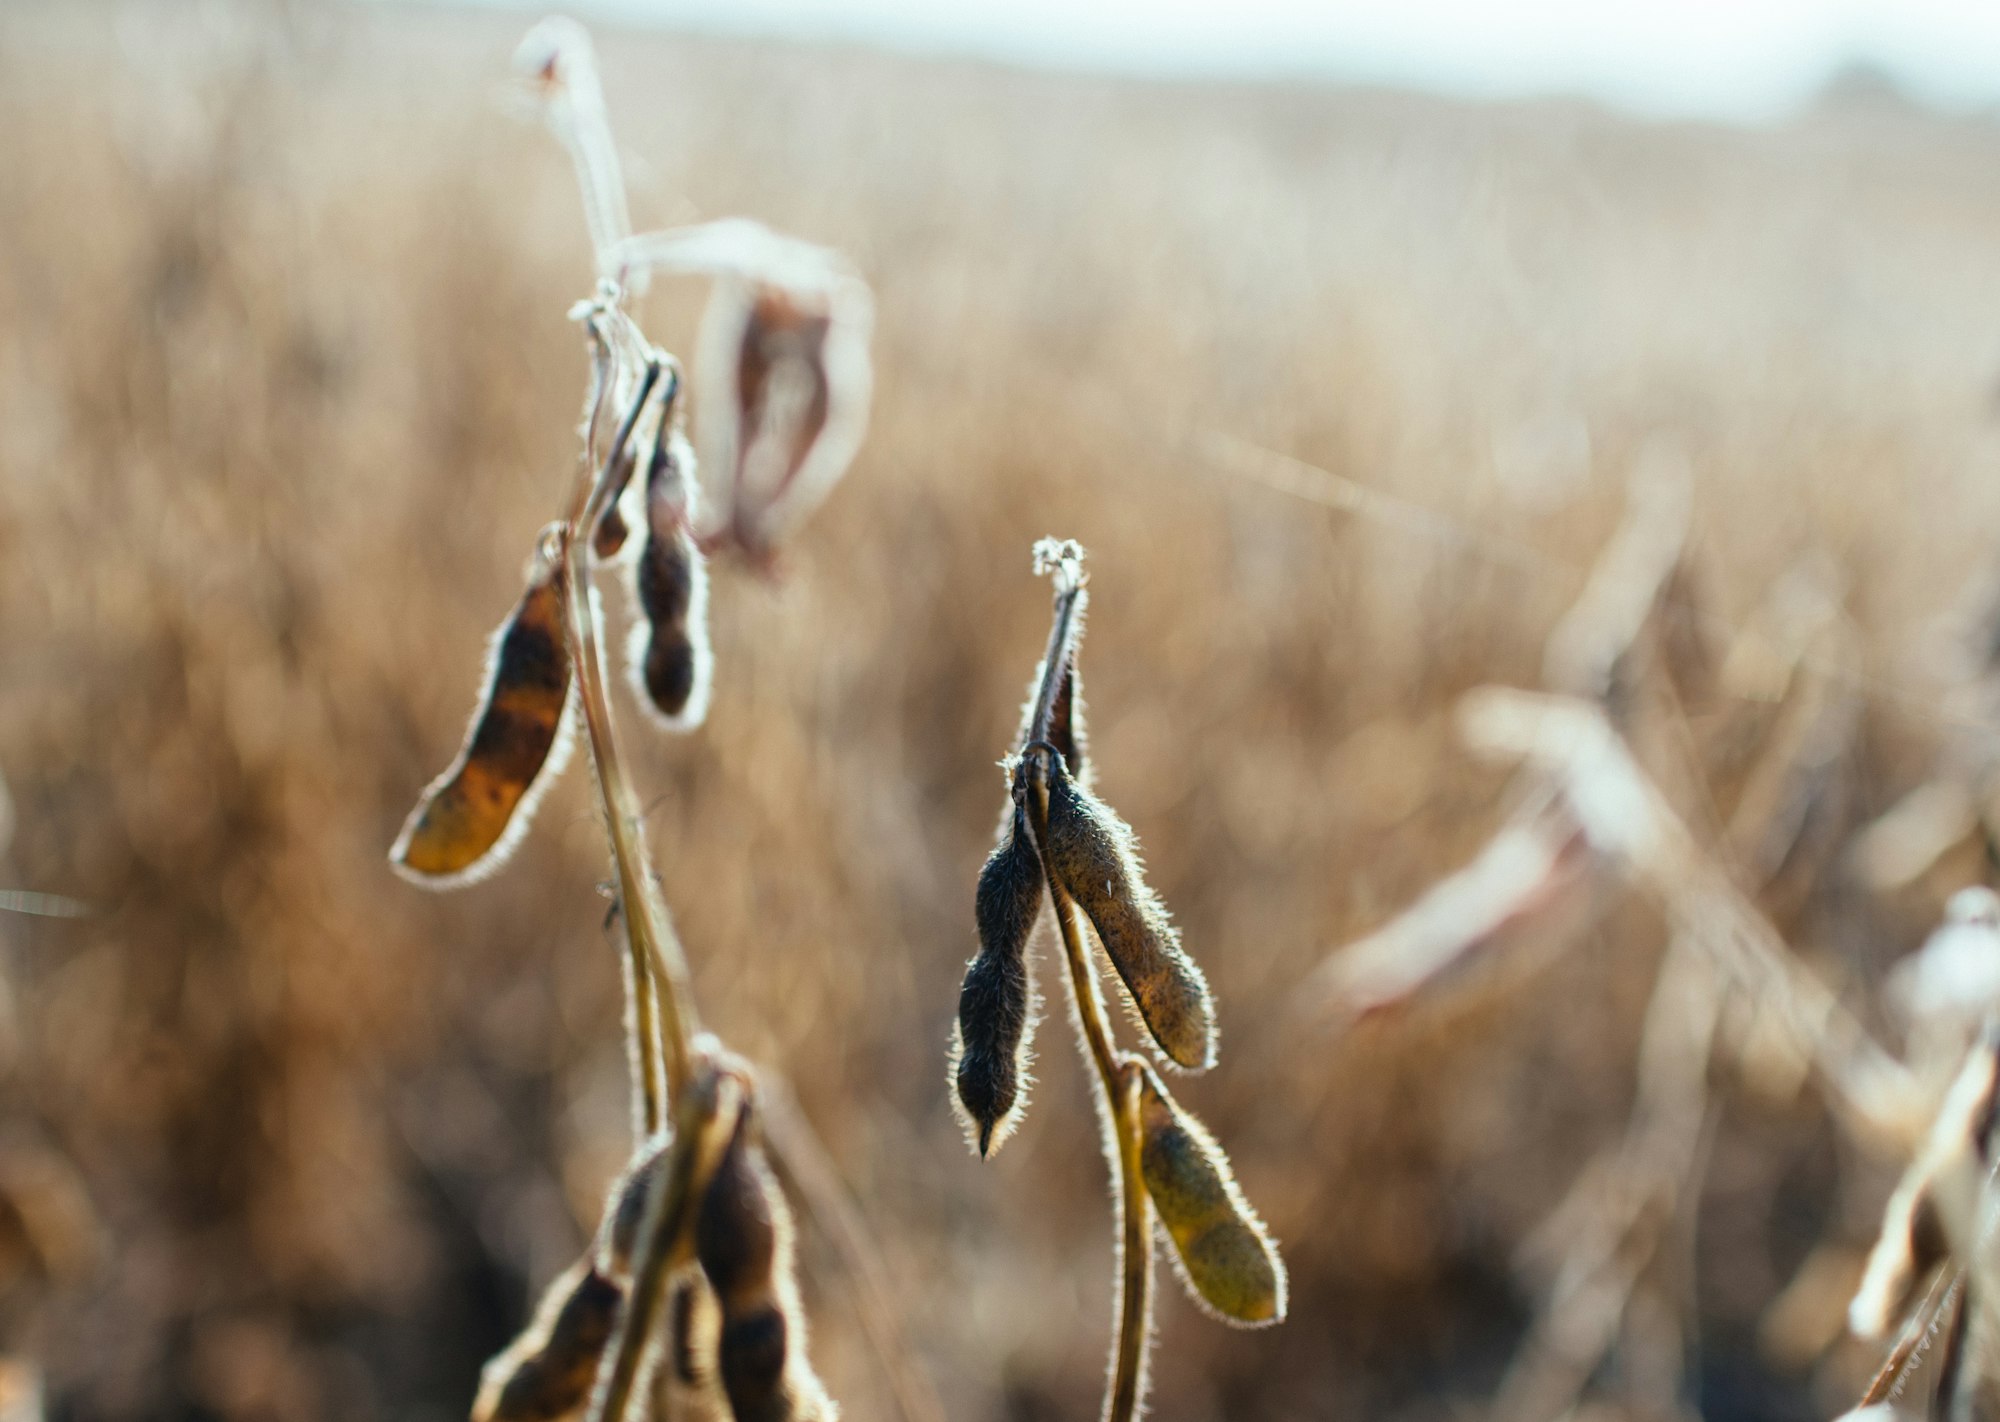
[(285, 386)]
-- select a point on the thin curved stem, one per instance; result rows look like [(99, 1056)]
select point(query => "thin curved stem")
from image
[(663, 1009), (559, 50), (1128, 1377)]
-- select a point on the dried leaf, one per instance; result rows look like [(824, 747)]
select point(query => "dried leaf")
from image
[(668, 657)]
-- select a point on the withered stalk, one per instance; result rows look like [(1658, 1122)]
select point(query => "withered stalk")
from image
[(663, 1009), (1118, 1080)]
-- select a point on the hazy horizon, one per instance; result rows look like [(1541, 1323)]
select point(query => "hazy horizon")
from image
[(1754, 61)]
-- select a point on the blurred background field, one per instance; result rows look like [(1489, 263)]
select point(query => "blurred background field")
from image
[(286, 390)]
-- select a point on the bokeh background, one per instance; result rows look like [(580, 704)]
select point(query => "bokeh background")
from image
[(286, 390)]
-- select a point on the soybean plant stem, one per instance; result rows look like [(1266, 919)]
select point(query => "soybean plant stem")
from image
[(1120, 1084), (1128, 1384), (663, 1010)]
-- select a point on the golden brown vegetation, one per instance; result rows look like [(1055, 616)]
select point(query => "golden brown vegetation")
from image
[(284, 379)]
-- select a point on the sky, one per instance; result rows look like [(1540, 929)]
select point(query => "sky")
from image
[(1731, 60)]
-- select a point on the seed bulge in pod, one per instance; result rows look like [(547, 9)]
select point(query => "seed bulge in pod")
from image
[(470, 818), (1094, 857), (1227, 1259), (743, 1240), (618, 1236), (669, 657), (1065, 730), (546, 1374), (996, 1008)]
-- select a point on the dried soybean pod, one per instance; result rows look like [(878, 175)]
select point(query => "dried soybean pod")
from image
[(691, 1325), (996, 1006), (1066, 731), (1093, 855), (546, 1373), (470, 818), (668, 656), (1065, 728), (743, 1239), (609, 538), (1227, 1260), (618, 1236), (686, 1387)]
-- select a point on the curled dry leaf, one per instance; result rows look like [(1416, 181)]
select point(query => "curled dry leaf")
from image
[(473, 815), (784, 367), (1094, 856), (996, 1016), (1227, 1258)]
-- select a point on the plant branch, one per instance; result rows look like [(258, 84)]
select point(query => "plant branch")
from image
[(558, 54), (1135, 1298)]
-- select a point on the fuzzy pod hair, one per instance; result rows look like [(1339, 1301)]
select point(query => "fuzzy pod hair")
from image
[(1225, 1256), (1066, 730), (668, 657), (546, 1374), (1094, 856), (743, 1240), (618, 1235), (685, 1387), (471, 817), (996, 1003)]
